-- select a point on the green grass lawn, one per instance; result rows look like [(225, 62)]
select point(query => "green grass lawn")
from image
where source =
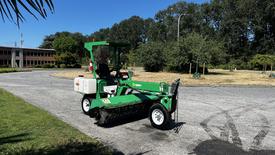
[(25, 129), (7, 70)]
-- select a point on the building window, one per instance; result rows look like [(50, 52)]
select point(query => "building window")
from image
[(17, 53)]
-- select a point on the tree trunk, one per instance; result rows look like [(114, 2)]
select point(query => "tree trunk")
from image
[(190, 69), (203, 70), (271, 69)]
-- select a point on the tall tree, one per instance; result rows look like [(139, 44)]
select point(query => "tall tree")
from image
[(66, 44), (132, 30), (12, 9)]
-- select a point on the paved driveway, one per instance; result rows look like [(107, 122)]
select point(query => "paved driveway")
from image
[(212, 119)]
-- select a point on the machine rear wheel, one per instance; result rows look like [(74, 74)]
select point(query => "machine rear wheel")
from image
[(159, 116), (85, 105)]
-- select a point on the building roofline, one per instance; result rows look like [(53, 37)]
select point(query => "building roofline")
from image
[(43, 49)]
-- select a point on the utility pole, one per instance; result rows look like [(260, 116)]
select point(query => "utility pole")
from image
[(21, 40), (176, 113), (179, 18), (178, 39)]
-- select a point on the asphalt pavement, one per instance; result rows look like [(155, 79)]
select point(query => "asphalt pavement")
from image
[(212, 120)]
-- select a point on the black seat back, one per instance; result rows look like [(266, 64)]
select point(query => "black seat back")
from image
[(103, 71), (174, 93), (174, 87)]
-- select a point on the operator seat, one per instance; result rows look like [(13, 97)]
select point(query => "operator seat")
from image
[(103, 72)]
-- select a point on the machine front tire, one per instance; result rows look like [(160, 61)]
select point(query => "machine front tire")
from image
[(85, 104), (159, 116)]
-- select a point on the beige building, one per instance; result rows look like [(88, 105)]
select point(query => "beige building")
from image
[(25, 57)]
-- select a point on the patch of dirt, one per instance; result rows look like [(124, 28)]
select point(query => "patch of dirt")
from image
[(216, 77)]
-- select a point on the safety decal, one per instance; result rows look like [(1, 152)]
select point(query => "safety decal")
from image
[(106, 101)]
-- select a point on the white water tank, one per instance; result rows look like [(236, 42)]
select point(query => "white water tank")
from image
[(85, 85)]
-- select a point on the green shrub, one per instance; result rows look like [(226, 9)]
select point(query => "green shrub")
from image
[(47, 66), (66, 58), (193, 48), (62, 66), (176, 57), (210, 66), (7, 70), (261, 61), (133, 58), (37, 66), (76, 66), (152, 57)]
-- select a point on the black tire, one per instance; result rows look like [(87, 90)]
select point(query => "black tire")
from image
[(161, 118), (85, 105)]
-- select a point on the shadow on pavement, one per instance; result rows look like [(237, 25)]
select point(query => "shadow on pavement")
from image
[(176, 126), (141, 153), (129, 118), (219, 147), (124, 119)]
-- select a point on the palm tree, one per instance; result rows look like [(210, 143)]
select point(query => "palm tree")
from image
[(11, 9)]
